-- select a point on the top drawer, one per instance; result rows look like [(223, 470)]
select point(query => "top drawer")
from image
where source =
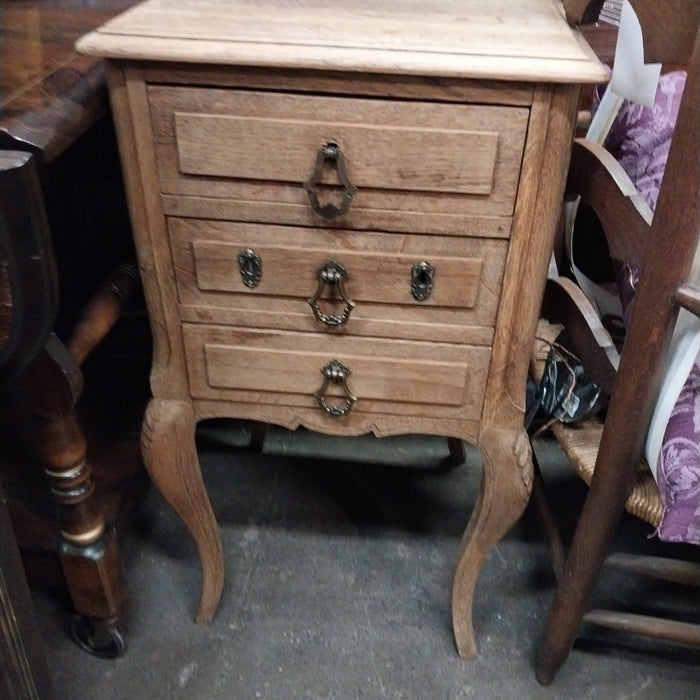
[(257, 148)]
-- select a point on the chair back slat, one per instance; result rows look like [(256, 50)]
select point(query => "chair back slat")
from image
[(668, 26)]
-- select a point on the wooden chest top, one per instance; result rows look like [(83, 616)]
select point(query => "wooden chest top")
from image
[(528, 40)]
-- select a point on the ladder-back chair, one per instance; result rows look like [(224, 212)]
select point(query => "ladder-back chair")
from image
[(610, 450)]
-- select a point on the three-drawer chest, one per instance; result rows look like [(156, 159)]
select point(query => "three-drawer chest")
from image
[(343, 215)]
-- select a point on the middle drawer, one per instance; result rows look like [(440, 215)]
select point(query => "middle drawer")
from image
[(436, 288)]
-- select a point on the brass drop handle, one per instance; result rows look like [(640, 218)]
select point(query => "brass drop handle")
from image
[(336, 372), (331, 273), (330, 153)]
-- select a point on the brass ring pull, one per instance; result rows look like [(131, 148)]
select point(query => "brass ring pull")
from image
[(331, 273), (336, 372), (330, 153)]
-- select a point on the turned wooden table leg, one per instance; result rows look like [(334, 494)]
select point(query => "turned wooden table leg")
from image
[(170, 456), (89, 551), (505, 490)]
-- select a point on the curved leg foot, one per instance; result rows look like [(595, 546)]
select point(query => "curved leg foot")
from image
[(505, 489), (170, 456)]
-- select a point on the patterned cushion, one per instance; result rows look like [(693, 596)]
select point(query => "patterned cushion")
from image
[(640, 139), (678, 466)]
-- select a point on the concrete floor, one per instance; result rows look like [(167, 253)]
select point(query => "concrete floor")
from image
[(339, 556)]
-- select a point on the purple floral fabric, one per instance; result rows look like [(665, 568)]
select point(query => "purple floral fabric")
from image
[(640, 139), (678, 470)]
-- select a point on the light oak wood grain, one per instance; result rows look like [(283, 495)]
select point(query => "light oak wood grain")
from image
[(401, 155), (334, 83), (456, 124), (419, 213), (466, 285), (528, 40), (507, 476), (413, 378)]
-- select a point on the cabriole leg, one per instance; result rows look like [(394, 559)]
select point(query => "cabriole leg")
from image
[(506, 483), (170, 456)]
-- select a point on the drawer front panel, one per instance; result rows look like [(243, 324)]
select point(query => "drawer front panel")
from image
[(401, 155), (379, 271), (377, 156), (278, 367)]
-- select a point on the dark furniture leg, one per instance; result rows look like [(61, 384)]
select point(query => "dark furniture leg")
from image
[(24, 673), (89, 552)]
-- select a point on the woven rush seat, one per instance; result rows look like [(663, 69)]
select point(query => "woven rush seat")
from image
[(580, 441)]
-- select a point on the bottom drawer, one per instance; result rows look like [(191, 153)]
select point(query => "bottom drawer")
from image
[(283, 368)]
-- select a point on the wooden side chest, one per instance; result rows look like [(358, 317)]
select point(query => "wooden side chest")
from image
[(344, 218)]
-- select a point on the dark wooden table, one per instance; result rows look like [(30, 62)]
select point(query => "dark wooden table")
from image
[(49, 95), (50, 98)]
